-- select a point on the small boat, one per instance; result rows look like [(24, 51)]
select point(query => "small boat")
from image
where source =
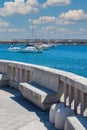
[(30, 49), (45, 46), (12, 48)]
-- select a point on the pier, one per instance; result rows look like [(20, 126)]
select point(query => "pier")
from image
[(70, 89)]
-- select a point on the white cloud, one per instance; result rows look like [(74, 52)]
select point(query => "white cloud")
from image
[(44, 19), (63, 30), (3, 23), (50, 19), (2, 30), (83, 30), (54, 29), (49, 28), (70, 17), (52, 32), (74, 15), (66, 22), (29, 6), (15, 30), (12, 30), (57, 3), (32, 27), (20, 6)]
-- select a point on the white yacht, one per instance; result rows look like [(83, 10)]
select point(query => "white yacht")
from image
[(30, 49), (46, 46), (12, 48)]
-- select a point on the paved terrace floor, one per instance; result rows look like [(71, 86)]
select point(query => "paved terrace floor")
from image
[(16, 113)]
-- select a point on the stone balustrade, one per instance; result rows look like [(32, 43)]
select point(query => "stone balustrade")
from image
[(72, 89), (18, 73)]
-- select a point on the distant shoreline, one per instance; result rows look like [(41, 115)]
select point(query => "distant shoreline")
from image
[(50, 41)]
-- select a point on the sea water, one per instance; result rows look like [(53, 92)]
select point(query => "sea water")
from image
[(71, 58)]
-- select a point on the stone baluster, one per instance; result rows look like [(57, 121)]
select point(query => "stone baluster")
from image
[(65, 93), (9, 72), (28, 75), (82, 102), (16, 74), (20, 73), (75, 99), (78, 101), (23, 75), (70, 96), (12, 73), (85, 103)]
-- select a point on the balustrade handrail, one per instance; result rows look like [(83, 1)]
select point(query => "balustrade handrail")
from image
[(64, 76)]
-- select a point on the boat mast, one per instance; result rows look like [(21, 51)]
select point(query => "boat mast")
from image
[(32, 26)]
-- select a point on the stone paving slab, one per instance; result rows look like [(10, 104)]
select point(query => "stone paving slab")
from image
[(16, 113)]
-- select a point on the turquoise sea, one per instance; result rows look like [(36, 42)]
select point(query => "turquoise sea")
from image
[(72, 58)]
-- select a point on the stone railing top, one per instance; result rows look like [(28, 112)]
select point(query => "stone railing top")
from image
[(67, 77)]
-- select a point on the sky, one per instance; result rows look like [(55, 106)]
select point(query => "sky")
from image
[(50, 19)]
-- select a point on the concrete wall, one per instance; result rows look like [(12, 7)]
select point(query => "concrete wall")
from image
[(45, 78)]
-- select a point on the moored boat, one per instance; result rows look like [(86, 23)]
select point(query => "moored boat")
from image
[(11, 48), (30, 49)]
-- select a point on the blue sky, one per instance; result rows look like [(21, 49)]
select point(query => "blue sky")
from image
[(44, 18)]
